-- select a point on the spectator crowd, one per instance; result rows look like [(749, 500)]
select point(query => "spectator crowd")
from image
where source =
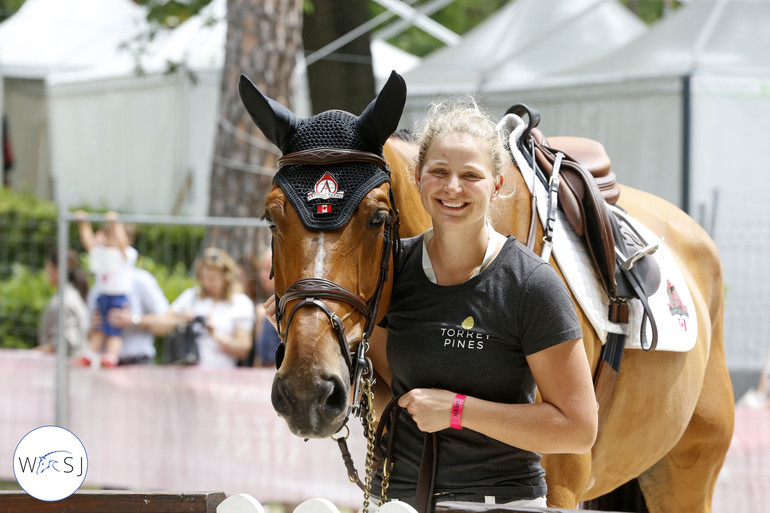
[(115, 318)]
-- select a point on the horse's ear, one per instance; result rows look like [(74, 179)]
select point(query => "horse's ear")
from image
[(380, 119), (276, 121)]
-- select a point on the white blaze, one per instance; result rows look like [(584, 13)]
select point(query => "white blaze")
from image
[(318, 269)]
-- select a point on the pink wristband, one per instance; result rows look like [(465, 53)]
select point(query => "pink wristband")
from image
[(457, 412)]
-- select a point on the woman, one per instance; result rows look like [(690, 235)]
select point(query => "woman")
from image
[(75, 311), (228, 314), (493, 320)]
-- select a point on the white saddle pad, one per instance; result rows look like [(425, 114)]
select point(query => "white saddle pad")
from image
[(671, 304)]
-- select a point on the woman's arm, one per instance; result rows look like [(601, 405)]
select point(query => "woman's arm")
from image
[(237, 345), (378, 344), (564, 422)]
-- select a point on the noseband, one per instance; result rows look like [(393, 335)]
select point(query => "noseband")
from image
[(312, 291)]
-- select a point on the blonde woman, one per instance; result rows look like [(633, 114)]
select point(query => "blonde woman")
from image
[(494, 321), (227, 313)]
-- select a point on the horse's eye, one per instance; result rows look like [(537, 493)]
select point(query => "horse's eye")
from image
[(269, 221), (379, 218)]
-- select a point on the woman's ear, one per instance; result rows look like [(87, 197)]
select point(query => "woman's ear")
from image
[(498, 186)]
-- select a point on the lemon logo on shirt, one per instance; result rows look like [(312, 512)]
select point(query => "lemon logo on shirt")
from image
[(467, 323)]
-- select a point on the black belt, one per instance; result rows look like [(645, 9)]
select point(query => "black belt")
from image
[(135, 360)]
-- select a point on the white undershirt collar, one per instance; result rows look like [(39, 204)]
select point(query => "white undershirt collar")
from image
[(494, 242)]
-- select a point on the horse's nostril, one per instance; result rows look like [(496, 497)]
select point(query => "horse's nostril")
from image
[(278, 395), (336, 397)]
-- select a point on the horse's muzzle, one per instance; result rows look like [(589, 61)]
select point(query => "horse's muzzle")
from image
[(311, 410)]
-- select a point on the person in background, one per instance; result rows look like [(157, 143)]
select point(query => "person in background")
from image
[(267, 338), (112, 260), (140, 319), (74, 307), (228, 314), (764, 383)]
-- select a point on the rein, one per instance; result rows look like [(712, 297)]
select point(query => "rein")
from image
[(311, 292)]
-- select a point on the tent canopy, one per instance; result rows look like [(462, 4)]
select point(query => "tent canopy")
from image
[(526, 39), (724, 36), (49, 35)]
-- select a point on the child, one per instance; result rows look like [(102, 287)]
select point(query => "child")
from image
[(111, 259)]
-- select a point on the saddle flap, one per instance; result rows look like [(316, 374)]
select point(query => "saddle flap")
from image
[(585, 210)]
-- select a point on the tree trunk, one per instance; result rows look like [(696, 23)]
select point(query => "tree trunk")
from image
[(263, 37), (344, 79)]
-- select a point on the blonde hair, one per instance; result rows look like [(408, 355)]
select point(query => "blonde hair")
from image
[(461, 115), (216, 258)]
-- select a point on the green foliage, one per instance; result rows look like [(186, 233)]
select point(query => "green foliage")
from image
[(459, 17), (9, 7), (173, 280), (27, 229), (25, 292), (172, 12), (23, 296)]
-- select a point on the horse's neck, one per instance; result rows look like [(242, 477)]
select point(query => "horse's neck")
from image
[(400, 157), (512, 210)]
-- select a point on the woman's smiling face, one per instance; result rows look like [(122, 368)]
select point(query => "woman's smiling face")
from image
[(456, 181)]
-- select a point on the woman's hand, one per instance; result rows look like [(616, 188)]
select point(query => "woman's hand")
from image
[(269, 306), (430, 408)]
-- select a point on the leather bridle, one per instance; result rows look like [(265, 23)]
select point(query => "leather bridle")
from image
[(313, 291)]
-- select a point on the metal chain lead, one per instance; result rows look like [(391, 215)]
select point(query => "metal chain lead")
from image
[(370, 429)]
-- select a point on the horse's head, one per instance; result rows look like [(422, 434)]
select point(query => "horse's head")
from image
[(334, 223)]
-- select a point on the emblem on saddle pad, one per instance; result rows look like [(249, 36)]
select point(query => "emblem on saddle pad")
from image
[(675, 305), (325, 188)]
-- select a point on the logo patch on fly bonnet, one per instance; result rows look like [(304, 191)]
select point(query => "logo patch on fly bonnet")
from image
[(325, 188), (325, 196)]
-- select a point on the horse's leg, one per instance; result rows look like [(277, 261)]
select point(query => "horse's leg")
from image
[(567, 476), (685, 478)]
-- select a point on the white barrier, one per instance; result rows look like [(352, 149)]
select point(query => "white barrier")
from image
[(242, 503), (187, 429), (173, 428)]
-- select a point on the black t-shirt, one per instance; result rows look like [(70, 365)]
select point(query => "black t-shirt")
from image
[(473, 338)]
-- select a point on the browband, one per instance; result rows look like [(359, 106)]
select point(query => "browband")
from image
[(326, 156)]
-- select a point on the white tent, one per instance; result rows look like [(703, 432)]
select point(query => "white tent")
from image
[(523, 40), (133, 142), (683, 113), (45, 36), (141, 141)]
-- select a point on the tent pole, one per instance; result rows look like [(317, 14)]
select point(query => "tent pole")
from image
[(686, 128), (62, 371)]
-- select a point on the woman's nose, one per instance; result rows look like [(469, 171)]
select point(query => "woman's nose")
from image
[(453, 184)]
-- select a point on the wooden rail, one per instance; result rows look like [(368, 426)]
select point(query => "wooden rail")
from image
[(101, 501)]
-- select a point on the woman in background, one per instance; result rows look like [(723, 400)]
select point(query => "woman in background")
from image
[(227, 313), (75, 311)]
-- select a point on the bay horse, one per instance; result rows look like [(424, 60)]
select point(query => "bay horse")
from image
[(669, 422)]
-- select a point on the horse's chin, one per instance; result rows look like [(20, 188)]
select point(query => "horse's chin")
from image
[(307, 430)]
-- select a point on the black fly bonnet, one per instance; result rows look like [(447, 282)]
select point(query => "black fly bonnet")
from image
[(326, 187), (330, 162)]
